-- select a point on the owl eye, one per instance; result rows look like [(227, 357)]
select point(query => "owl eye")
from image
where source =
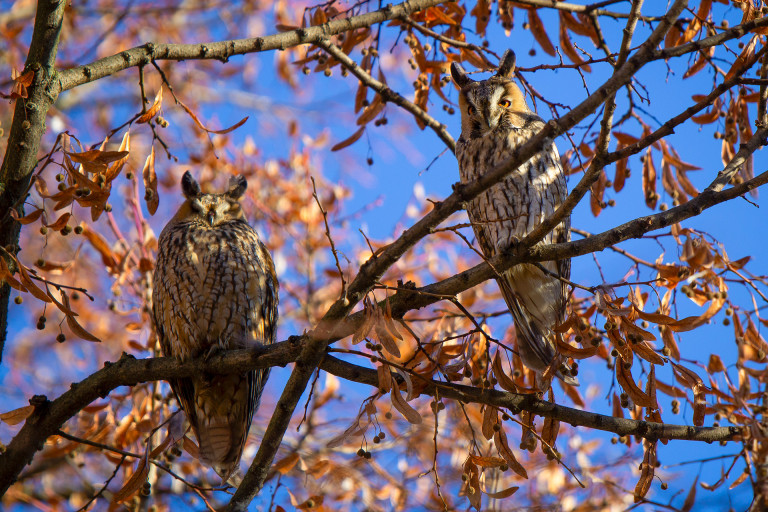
[(505, 103), (471, 110)]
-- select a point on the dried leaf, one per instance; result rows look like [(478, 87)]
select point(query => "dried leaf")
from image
[(649, 180), (566, 45), (369, 319), (27, 282), (349, 140), (744, 60), (59, 224), (506, 493), (27, 219), (624, 376), (150, 183), (284, 465), (16, 416), (385, 378), (646, 472), (405, 409), (502, 445), (134, 483), (539, 33), (490, 418), (202, 126), (78, 330), (487, 462), (153, 110), (690, 499), (371, 111), (503, 379)]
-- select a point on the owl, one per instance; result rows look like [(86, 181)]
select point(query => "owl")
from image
[(495, 120), (215, 288)]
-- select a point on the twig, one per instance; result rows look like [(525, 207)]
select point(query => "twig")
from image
[(330, 239), (387, 94)]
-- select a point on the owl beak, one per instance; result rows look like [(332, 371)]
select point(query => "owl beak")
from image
[(211, 216)]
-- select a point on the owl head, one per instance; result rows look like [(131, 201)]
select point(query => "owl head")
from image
[(486, 105), (211, 209)]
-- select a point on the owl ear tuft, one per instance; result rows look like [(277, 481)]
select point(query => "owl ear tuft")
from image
[(190, 186), (459, 75), (506, 65), (237, 186)]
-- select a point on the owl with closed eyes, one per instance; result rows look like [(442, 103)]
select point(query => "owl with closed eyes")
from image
[(495, 120), (215, 288)]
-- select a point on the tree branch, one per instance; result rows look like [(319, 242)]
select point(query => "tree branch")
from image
[(27, 129), (223, 50), (387, 94)]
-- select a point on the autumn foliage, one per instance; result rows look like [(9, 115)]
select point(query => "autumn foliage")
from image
[(407, 392)]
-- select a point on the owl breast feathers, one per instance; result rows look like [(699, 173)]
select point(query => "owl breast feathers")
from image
[(495, 120), (215, 289)]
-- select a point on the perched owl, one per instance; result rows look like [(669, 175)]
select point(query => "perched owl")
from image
[(495, 120), (215, 289)]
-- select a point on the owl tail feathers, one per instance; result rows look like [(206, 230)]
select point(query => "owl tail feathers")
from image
[(229, 475)]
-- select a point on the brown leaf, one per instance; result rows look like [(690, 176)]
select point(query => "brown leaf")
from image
[(405, 409), (349, 140), (190, 447), (31, 287), (649, 180), (371, 111), (744, 60), (6, 276), (566, 45), (27, 219), (108, 257), (202, 126), (482, 13), (134, 483), (369, 319), (624, 376), (506, 493), (539, 32), (646, 472), (502, 445), (284, 465), (503, 379), (569, 350), (150, 183), (690, 499), (385, 336), (16, 416), (704, 57), (490, 418), (154, 109), (59, 224), (125, 147), (78, 330), (487, 462), (21, 81), (385, 378)]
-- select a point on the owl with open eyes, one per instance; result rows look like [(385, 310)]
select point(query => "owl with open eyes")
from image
[(215, 288), (495, 120)]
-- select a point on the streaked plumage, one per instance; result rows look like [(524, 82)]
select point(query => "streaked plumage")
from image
[(215, 289), (494, 121)]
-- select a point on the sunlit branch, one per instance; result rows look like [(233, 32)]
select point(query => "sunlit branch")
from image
[(223, 50)]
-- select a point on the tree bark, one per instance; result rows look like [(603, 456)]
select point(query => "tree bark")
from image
[(27, 129)]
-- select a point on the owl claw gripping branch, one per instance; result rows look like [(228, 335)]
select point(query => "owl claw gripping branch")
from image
[(495, 120), (215, 289)]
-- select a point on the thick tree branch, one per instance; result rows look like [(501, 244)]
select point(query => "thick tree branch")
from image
[(48, 416), (27, 129), (528, 402), (223, 50)]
